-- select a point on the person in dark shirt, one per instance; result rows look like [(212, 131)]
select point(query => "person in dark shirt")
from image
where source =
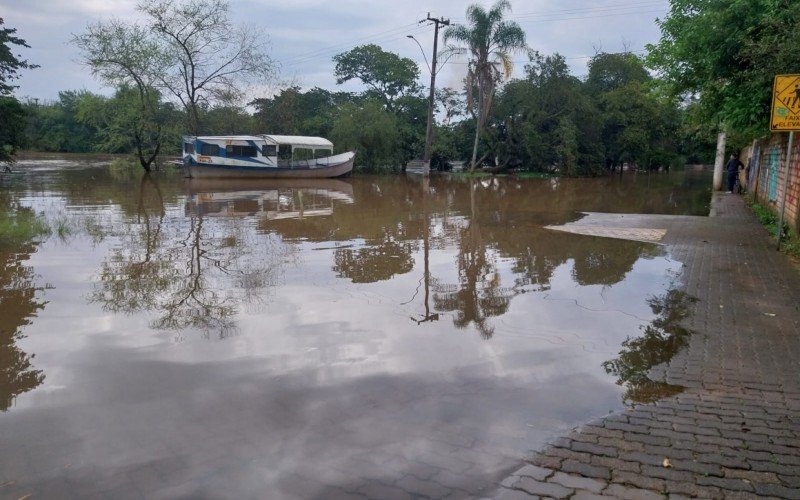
[(732, 167)]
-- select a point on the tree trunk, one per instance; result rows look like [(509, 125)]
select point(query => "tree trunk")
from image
[(719, 161), (477, 130)]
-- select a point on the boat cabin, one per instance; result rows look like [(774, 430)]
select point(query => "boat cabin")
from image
[(263, 150)]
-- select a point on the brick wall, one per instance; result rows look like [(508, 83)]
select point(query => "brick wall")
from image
[(767, 176)]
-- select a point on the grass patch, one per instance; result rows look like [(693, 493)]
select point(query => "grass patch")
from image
[(63, 228), (790, 243), (535, 175), (479, 174), (20, 226)]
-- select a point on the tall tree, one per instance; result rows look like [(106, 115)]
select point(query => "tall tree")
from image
[(490, 42), (11, 112), (387, 75), (206, 56), (10, 63), (126, 56), (727, 52)]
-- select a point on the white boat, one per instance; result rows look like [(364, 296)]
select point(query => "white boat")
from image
[(271, 156)]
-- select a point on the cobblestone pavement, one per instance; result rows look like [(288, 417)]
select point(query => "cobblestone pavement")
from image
[(734, 432)]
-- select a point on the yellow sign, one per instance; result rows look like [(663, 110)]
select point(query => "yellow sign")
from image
[(785, 103)]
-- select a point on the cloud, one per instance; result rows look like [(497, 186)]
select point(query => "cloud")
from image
[(305, 34)]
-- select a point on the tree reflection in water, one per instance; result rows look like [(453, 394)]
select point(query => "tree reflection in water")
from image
[(19, 302), (192, 276), (478, 295), (374, 263), (661, 340)]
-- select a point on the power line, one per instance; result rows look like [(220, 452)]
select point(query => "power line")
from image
[(622, 9), (388, 35), (577, 10)]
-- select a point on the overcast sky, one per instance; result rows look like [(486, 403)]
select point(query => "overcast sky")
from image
[(305, 34)]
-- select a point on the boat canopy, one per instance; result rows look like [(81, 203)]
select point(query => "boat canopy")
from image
[(243, 138), (300, 141)]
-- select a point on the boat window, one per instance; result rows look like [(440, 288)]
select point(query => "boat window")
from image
[(322, 153), (285, 152), (188, 147), (303, 154), (209, 149), (235, 150), (270, 150)]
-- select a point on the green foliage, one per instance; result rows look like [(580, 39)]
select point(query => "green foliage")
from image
[(56, 127), (768, 218), (727, 52), (20, 225), (12, 115), (387, 75), (12, 127), (375, 145), (638, 126), (10, 64), (293, 112), (610, 71)]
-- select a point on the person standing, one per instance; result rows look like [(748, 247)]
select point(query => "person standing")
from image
[(732, 167)]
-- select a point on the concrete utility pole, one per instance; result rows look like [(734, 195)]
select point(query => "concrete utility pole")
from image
[(719, 161), (426, 159)]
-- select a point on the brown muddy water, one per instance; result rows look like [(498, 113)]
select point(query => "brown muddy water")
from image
[(376, 336)]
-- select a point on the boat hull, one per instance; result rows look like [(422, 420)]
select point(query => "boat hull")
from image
[(323, 168)]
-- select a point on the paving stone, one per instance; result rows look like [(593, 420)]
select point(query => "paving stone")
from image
[(585, 495), (776, 490), (753, 476), (602, 432), (506, 494), (725, 484), (543, 489), (622, 444), (666, 473), (538, 473), (594, 449), (578, 482), (547, 461), (646, 439), (616, 464), (698, 467), (625, 427), (586, 470), (638, 480), (725, 461), (642, 458), (693, 490), (628, 493)]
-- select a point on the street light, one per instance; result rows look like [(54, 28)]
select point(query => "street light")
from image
[(421, 51)]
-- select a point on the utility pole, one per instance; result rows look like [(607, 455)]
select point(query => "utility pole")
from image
[(426, 159)]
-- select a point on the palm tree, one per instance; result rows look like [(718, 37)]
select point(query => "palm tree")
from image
[(490, 41)]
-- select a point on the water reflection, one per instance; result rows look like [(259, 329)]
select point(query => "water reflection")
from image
[(20, 301), (266, 198), (192, 276), (661, 339), (327, 386)]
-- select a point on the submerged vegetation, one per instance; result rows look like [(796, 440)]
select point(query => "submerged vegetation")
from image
[(21, 225)]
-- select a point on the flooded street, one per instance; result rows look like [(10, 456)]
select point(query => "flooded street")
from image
[(375, 336)]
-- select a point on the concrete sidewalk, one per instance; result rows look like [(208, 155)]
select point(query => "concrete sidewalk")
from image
[(734, 432)]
